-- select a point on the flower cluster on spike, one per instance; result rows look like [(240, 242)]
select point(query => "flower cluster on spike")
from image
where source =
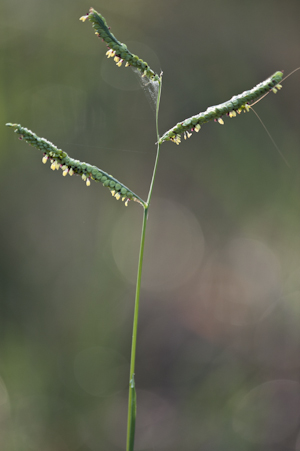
[(61, 160), (116, 50), (235, 105)]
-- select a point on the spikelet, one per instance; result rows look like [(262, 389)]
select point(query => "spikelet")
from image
[(61, 160), (116, 49), (236, 104)]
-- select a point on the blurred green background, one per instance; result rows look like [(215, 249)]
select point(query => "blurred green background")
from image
[(219, 338)]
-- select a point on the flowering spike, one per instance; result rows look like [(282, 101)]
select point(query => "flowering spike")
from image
[(60, 159), (116, 48), (236, 104)]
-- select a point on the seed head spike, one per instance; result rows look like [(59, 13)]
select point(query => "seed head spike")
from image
[(61, 160), (237, 104), (117, 49)]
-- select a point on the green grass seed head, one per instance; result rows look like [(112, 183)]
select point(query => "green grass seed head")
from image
[(68, 165), (236, 104), (116, 49)]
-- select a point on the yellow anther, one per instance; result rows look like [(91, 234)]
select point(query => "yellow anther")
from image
[(189, 134), (126, 203), (83, 18), (197, 128), (116, 59), (45, 159), (127, 64), (65, 170), (220, 120), (88, 182), (71, 172), (113, 192), (117, 196), (53, 166), (276, 88), (83, 177)]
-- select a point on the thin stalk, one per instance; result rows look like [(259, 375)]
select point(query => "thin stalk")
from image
[(132, 391), (158, 144)]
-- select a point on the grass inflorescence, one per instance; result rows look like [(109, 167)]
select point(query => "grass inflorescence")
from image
[(235, 105), (116, 49), (61, 160)]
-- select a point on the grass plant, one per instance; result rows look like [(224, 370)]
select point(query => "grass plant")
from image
[(69, 166)]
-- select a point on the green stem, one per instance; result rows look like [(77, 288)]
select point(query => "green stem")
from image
[(158, 144), (132, 391)]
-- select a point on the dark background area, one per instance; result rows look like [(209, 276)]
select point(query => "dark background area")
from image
[(218, 358)]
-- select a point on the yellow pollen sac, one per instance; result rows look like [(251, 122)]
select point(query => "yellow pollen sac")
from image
[(45, 159), (126, 203), (71, 172), (53, 166), (220, 120), (127, 64), (117, 196), (197, 128), (232, 114), (189, 134), (276, 88), (123, 198), (65, 170), (247, 107), (110, 53), (88, 182), (119, 64), (184, 135), (83, 177), (116, 59), (83, 18), (113, 192)]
